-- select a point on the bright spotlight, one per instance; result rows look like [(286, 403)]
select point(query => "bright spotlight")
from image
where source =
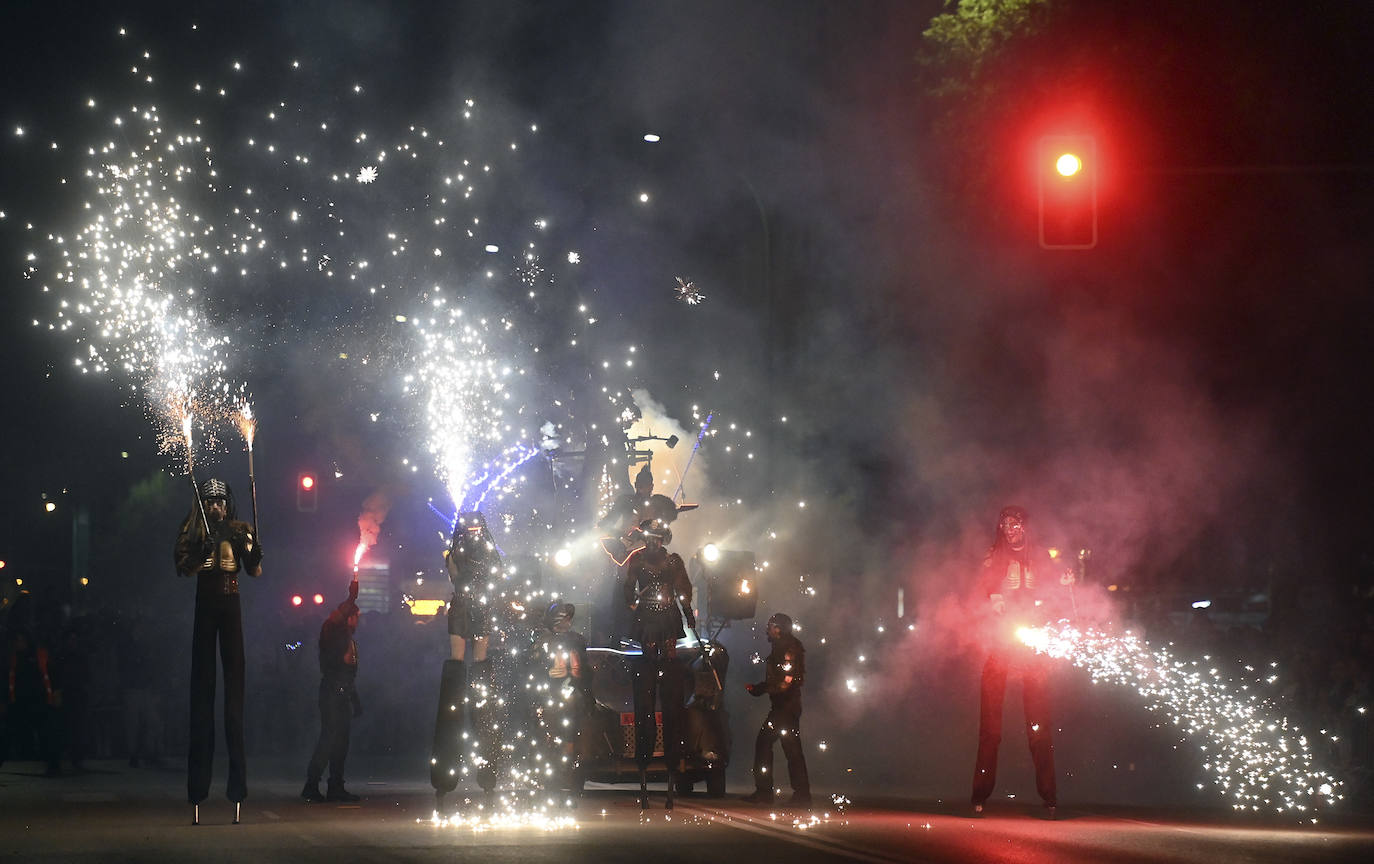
[(563, 557), (710, 552)]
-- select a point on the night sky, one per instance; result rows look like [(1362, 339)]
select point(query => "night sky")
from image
[(1189, 400)]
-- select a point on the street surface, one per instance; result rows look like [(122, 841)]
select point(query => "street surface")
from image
[(115, 813)]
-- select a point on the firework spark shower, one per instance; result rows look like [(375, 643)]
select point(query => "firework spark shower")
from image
[(437, 245), (1257, 760)]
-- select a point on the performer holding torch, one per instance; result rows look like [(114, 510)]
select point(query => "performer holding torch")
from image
[(654, 585), (214, 547), (1023, 587), (339, 702)]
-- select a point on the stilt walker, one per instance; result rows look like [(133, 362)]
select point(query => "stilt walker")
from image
[(472, 560), (214, 547), (658, 592)]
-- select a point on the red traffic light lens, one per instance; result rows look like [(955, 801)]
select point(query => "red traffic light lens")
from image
[(297, 599), (307, 481), (1068, 165), (319, 599)]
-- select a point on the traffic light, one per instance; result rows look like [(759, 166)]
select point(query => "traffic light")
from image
[(306, 489), (1066, 173)]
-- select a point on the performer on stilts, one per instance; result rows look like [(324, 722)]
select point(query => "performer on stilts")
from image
[(1023, 587), (215, 547), (473, 561), (654, 585)]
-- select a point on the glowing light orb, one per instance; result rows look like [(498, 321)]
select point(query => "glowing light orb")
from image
[(1068, 165)]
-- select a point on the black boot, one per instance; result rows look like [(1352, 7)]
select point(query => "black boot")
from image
[(485, 714), (310, 793), (337, 792), (448, 727)]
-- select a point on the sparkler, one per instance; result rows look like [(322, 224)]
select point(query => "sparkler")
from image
[(179, 230), (1258, 759), (248, 427), (186, 419)]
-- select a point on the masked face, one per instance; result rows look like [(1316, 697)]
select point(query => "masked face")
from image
[(1014, 530), (216, 509), (774, 632)]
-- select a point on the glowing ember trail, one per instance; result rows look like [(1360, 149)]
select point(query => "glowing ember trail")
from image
[(1258, 759)]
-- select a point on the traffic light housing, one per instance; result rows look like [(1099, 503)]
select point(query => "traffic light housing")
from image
[(1066, 175), (307, 488)]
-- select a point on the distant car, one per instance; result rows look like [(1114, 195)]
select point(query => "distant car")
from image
[(609, 739)]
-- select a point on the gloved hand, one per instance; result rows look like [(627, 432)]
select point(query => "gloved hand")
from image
[(252, 556), (754, 689)]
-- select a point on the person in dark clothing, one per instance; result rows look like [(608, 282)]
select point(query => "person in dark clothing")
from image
[(74, 699), (32, 705), (472, 561), (658, 592), (214, 547), (1023, 587), (339, 701), (785, 674), (563, 689), (140, 697)]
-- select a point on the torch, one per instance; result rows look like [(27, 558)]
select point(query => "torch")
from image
[(191, 473), (248, 427)]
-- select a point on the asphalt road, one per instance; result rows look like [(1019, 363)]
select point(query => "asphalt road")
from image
[(113, 813)]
